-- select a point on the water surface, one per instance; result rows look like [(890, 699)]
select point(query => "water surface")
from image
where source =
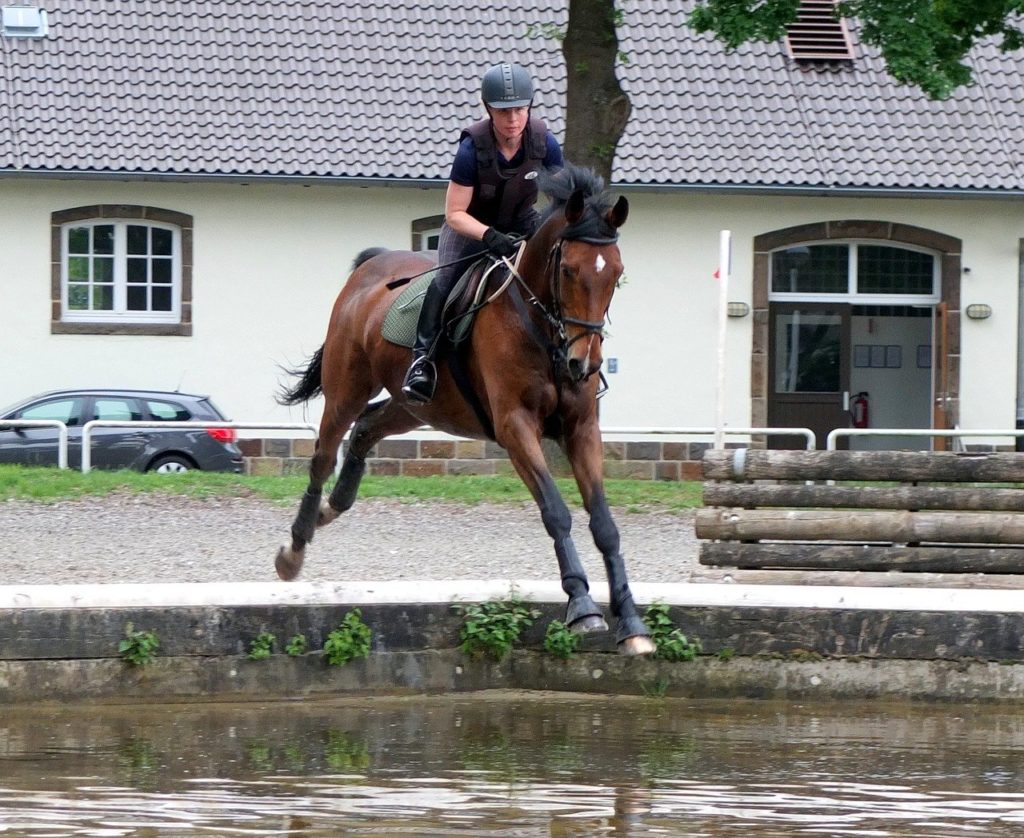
[(512, 764)]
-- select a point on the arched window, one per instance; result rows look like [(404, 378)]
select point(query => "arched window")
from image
[(857, 271), (122, 269)]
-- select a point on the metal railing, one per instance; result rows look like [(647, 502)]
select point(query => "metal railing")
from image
[(238, 426), (806, 433), (833, 435), (62, 434)]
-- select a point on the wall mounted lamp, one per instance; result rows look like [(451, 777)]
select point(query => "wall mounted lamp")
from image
[(737, 309), (979, 311)]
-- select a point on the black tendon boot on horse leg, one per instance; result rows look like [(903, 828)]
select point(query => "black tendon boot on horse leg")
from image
[(421, 379), (582, 614), (632, 636)]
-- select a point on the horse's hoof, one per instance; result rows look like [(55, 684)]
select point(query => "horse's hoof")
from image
[(287, 564), (591, 624), (639, 644), (326, 514)]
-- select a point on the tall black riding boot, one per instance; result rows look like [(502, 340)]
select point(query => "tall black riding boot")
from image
[(421, 379)]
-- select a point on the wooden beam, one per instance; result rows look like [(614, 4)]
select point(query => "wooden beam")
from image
[(905, 466), (965, 498), (853, 578), (858, 557), (862, 525)]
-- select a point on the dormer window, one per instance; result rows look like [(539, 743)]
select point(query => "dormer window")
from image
[(818, 34), (23, 22)]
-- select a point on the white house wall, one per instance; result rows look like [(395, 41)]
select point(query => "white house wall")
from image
[(664, 319), (268, 263), (269, 260)]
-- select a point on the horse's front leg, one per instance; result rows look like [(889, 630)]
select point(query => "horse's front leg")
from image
[(584, 448), (582, 615)]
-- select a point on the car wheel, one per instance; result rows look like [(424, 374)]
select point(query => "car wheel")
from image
[(172, 464)]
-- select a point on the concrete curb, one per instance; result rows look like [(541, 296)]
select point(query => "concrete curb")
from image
[(59, 643)]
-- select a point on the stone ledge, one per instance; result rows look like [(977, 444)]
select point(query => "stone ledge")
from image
[(60, 642), (448, 671)]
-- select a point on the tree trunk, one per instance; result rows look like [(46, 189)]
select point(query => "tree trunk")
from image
[(597, 108)]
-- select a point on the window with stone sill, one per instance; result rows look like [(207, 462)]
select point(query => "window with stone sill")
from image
[(121, 270)]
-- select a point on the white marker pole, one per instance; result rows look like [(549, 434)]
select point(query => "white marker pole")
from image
[(724, 268)]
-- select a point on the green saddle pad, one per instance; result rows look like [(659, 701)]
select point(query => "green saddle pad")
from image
[(400, 321), (399, 324)]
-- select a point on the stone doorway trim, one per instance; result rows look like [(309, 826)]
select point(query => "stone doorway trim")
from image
[(950, 268)]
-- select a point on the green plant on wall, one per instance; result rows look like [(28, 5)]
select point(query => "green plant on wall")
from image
[(491, 629), (138, 648), (350, 640), (672, 644), (298, 645), (262, 647), (559, 641)]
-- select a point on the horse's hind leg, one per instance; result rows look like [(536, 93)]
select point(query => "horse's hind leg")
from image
[(377, 421), (333, 425), (380, 419)]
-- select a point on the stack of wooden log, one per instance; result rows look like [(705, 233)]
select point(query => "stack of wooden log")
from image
[(939, 512)]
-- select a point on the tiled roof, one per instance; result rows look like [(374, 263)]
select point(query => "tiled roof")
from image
[(381, 88)]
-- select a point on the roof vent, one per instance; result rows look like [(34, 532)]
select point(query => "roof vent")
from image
[(818, 34), (23, 22)]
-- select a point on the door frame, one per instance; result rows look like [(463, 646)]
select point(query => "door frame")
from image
[(824, 403), (948, 248)]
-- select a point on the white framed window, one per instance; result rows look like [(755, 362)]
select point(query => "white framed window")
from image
[(865, 272), (121, 270)]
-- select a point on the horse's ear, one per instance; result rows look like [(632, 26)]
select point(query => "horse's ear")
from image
[(574, 207), (617, 214)]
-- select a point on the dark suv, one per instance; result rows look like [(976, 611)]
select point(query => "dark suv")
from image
[(142, 449)]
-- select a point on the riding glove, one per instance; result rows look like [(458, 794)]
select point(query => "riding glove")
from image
[(498, 243)]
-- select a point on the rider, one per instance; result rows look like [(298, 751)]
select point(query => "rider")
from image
[(491, 194)]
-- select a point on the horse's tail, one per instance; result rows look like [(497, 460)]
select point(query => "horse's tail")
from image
[(367, 255), (309, 382)]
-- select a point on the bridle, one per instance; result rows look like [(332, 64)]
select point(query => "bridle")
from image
[(555, 316)]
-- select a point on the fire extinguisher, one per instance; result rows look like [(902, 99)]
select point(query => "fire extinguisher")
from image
[(859, 409)]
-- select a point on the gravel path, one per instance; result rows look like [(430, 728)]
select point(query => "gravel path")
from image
[(128, 538)]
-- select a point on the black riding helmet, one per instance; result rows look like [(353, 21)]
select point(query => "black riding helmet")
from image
[(507, 86)]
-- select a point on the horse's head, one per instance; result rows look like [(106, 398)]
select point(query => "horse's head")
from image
[(584, 265)]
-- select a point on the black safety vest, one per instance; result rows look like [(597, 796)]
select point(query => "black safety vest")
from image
[(504, 198)]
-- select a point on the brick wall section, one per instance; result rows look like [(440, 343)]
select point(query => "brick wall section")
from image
[(410, 457)]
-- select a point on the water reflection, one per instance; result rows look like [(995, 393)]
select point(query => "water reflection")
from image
[(512, 765)]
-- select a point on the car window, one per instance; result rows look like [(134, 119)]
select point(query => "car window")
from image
[(117, 410), (67, 411), (167, 411)]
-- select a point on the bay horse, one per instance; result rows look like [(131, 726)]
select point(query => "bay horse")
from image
[(532, 364)]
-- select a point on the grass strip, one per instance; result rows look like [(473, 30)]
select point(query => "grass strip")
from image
[(49, 485)]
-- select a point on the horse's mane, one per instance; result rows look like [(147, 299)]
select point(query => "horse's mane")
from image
[(559, 185)]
